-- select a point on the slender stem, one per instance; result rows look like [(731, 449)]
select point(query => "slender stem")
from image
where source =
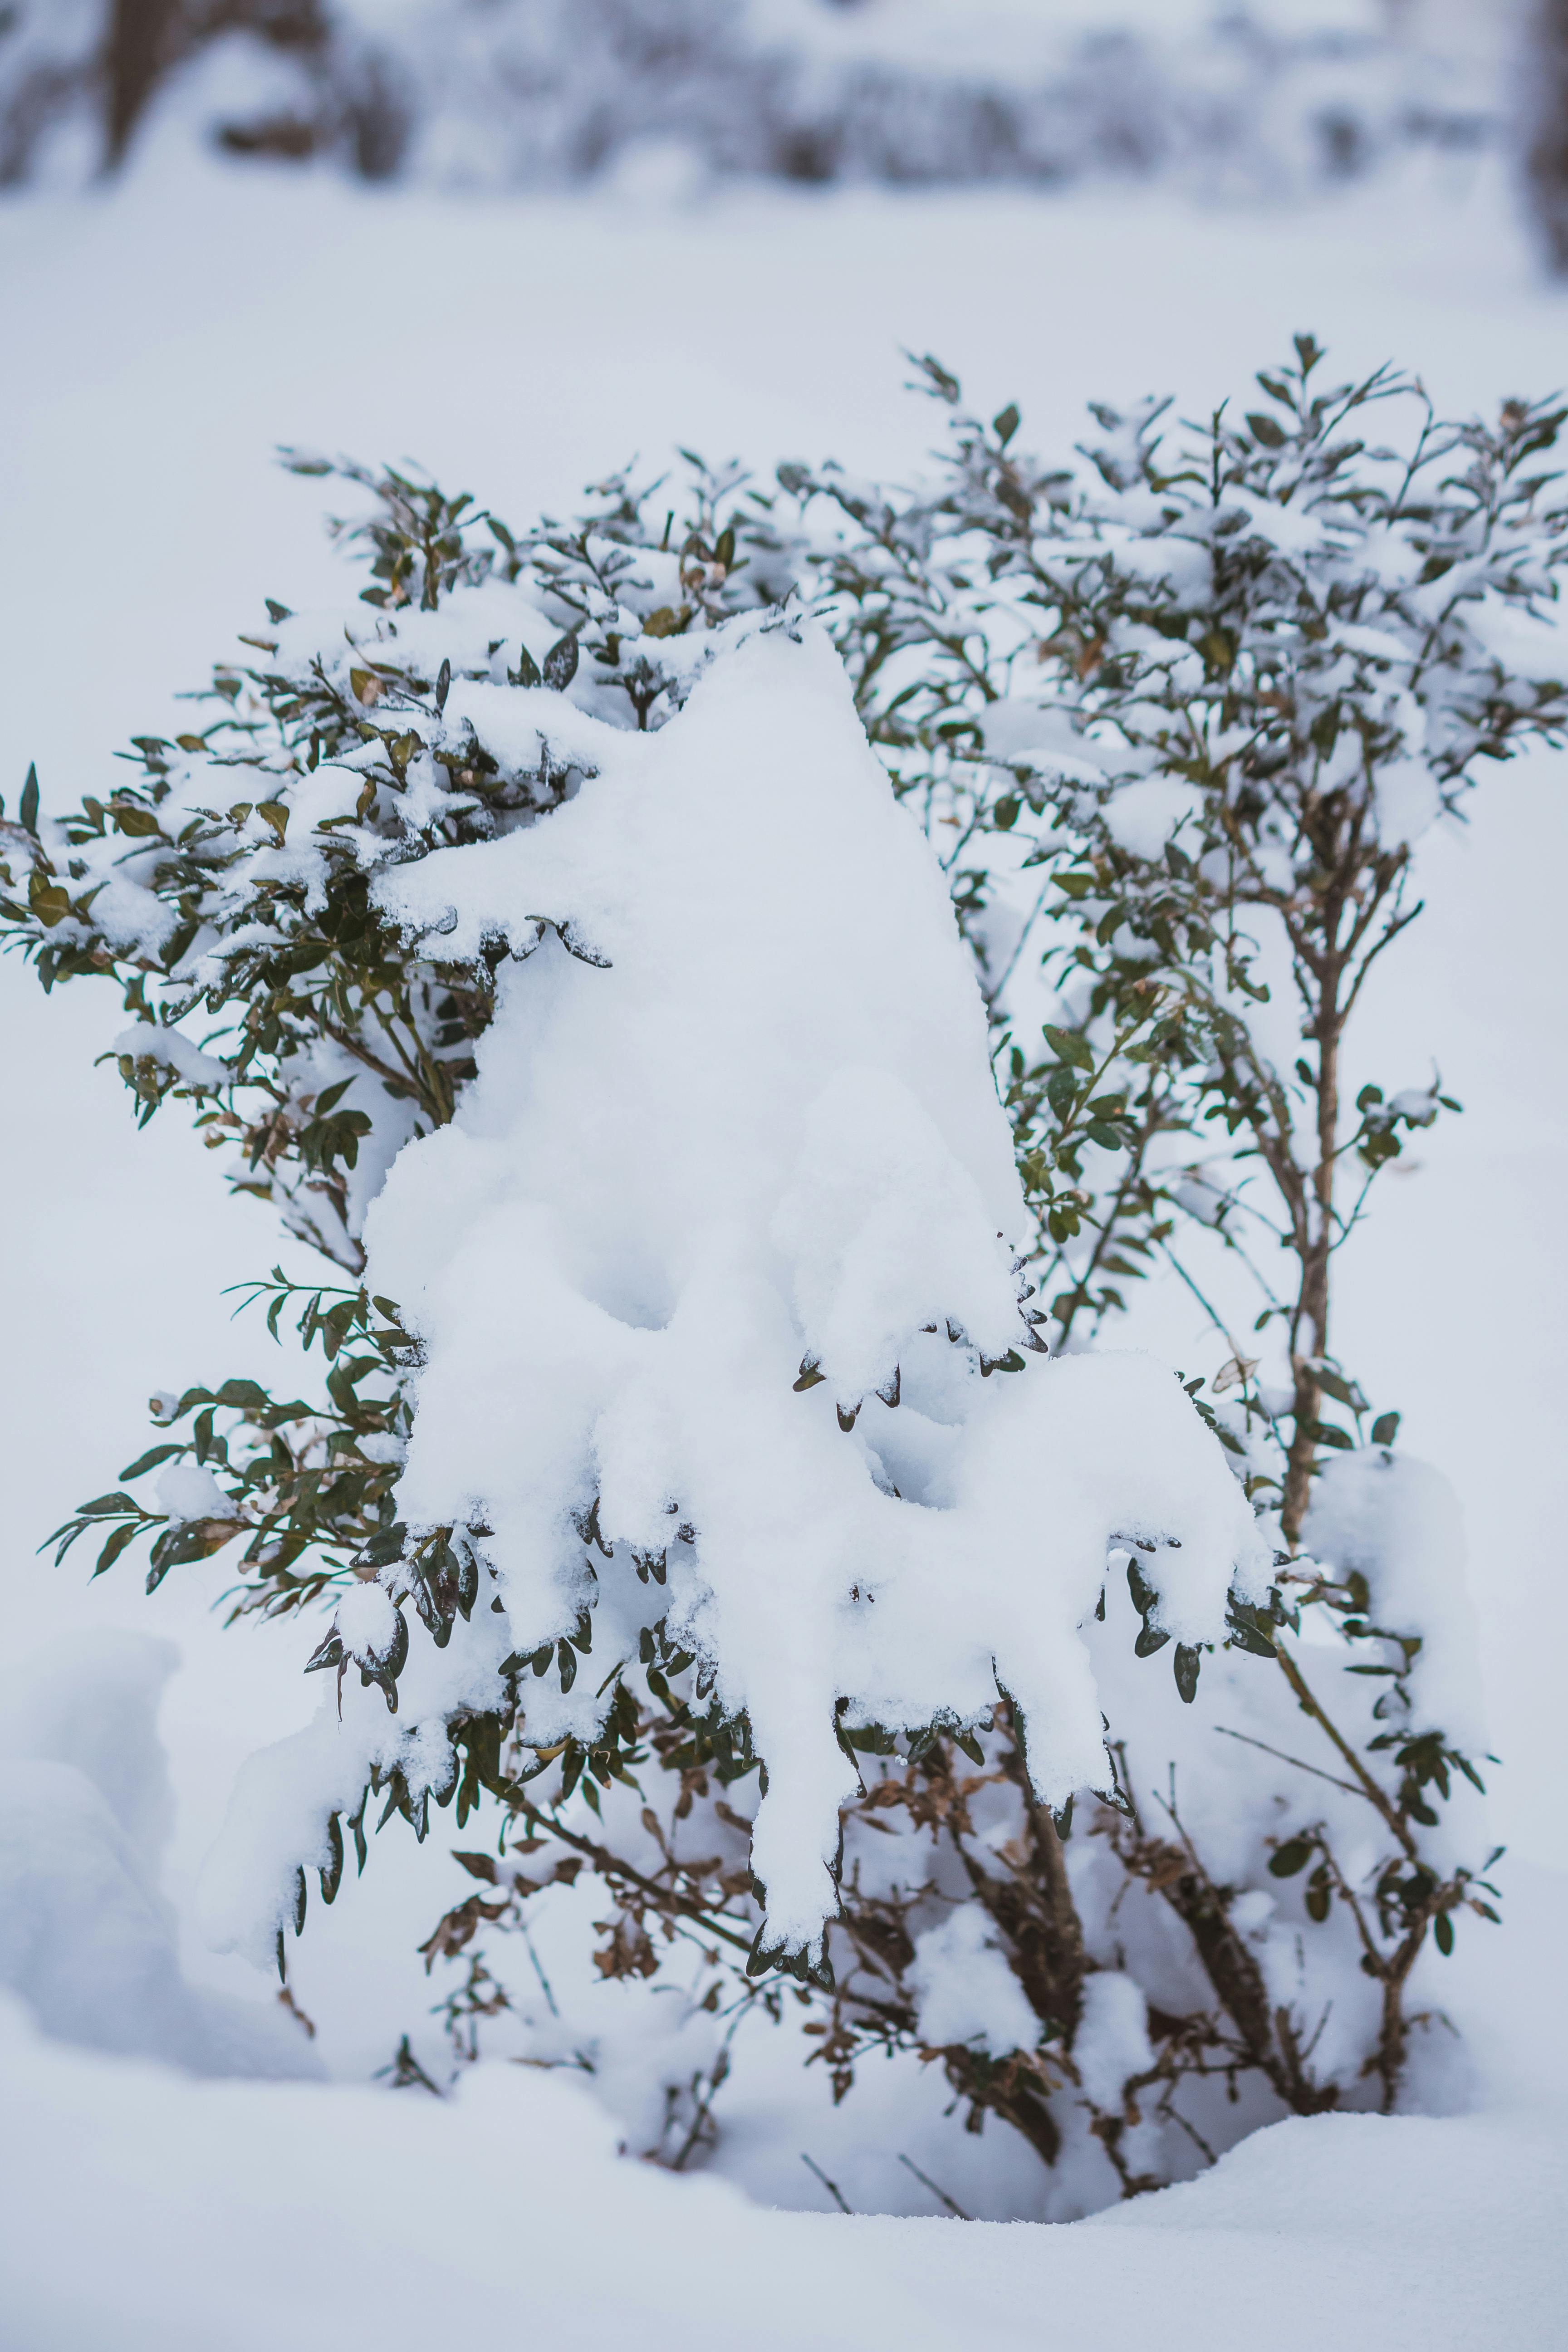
[(1309, 1320), (1369, 1788), (610, 1866), (1316, 1771)]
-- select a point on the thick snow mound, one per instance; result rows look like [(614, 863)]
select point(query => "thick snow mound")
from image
[(966, 1989), (734, 1137), (85, 1938), (1397, 1521)]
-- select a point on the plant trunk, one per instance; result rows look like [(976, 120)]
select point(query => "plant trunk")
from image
[(1310, 1324), (142, 38), (1543, 128)]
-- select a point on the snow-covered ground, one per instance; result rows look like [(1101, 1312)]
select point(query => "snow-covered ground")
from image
[(162, 2216), (154, 345)]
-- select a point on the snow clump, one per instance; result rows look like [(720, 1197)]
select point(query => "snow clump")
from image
[(714, 1268)]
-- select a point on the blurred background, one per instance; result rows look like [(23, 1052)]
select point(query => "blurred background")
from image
[(1265, 99), (521, 241)]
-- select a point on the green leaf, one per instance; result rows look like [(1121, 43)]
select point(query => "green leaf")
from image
[(1061, 1091), (118, 1540), (46, 900), (1263, 428), (1246, 1637), (1005, 423), (942, 382), (1143, 1593), (28, 810), (150, 1460), (1185, 1666), (560, 663), (331, 1870), (1071, 1046), (1443, 1933), (478, 1866), (1291, 1857), (1386, 1429), (191, 1397)]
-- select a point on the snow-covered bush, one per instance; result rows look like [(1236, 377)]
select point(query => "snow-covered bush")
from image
[(1231, 677), (687, 1482)]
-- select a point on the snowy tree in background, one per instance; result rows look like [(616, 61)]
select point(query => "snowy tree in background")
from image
[(689, 1494), (509, 93), (1544, 107)]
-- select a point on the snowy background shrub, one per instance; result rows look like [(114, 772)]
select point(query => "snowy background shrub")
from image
[(577, 954), (1262, 101)]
